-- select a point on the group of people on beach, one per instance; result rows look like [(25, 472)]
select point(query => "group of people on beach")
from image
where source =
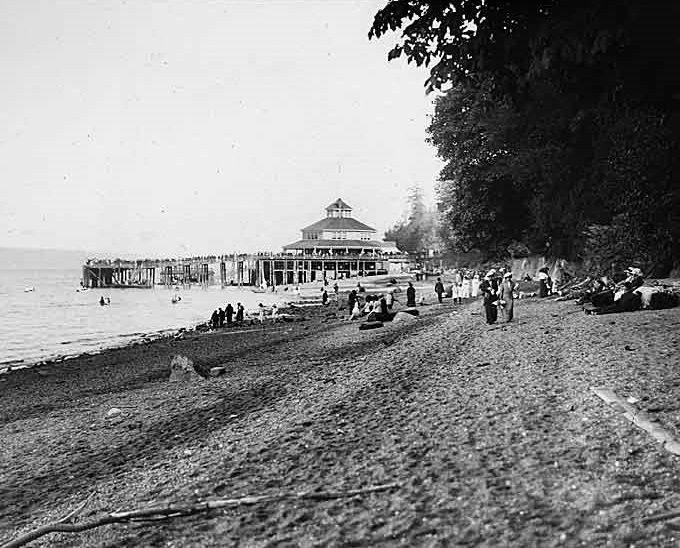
[(496, 287), (498, 291), (465, 285), (373, 306), (220, 316), (622, 293)]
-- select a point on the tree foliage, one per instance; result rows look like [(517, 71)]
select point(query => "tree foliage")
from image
[(419, 232), (558, 124)]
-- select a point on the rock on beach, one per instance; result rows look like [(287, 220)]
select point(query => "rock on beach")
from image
[(182, 370)]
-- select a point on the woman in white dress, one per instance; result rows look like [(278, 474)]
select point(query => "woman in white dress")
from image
[(475, 286), (466, 288), (455, 290)]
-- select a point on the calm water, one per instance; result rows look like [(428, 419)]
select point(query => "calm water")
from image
[(55, 320)]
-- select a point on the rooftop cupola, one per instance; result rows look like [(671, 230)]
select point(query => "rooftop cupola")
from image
[(338, 209)]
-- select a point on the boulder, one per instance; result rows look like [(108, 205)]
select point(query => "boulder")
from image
[(113, 412), (403, 317), (217, 371), (182, 370)]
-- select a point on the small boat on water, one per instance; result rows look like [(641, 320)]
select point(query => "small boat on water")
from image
[(175, 299), (29, 289)]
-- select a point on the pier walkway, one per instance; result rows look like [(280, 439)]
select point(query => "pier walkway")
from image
[(239, 269)]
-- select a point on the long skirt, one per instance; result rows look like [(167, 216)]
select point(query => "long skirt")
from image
[(490, 309), (508, 310)]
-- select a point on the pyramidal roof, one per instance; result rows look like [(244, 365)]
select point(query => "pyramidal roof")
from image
[(338, 204), (339, 223)]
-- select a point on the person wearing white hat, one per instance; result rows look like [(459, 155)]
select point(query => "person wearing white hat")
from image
[(506, 297), (488, 287), (625, 299)]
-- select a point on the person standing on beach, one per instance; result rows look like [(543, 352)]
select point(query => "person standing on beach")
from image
[(410, 295), (356, 311), (229, 312), (458, 287), (389, 298), (351, 300), (439, 289), (475, 286), (466, 287), (506, 296), (489, 293), (221, 314), (455, 290), (543, 282), (215, 319), (384, 314), (260, 315), (239, 313), (324, 297)]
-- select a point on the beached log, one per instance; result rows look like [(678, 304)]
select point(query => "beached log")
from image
[(639, 419), (162, 513), (662, 517), (370, 325)]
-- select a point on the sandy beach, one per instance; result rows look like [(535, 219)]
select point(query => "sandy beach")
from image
[(491, 433)]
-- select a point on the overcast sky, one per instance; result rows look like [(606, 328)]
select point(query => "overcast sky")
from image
[(186, 127)]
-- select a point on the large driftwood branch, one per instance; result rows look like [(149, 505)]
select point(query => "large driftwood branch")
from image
[(639, 419), (160, 513), (662, 517)]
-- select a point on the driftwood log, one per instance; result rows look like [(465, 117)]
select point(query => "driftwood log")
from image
[(639, 419), (161, 513)]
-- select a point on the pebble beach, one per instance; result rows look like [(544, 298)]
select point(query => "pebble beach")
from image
[(491, 435)]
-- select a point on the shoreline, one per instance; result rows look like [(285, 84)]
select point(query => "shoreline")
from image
[(309, 297)]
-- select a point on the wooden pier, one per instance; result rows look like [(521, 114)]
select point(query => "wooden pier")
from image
[(237, 269)]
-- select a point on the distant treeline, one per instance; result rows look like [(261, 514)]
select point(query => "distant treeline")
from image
[(558, 124)]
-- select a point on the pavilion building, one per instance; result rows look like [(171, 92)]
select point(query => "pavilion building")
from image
[(337, 246), (339, 234)]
